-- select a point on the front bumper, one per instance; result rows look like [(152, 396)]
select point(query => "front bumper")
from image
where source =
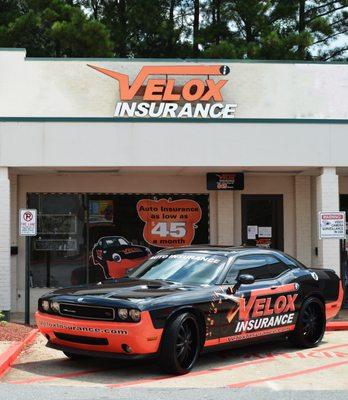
[(141, 337)]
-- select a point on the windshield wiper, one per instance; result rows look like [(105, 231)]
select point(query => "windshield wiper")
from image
[(164, 280)]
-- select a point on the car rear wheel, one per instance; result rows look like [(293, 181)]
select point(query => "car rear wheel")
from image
[(180, 345), (311, 323)]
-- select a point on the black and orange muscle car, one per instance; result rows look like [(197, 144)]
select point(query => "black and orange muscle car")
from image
[(183, 301)]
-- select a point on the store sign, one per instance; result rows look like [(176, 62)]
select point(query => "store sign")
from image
[(27, 222), (225, 181), (169, 96), (169, 223), (332, 225)]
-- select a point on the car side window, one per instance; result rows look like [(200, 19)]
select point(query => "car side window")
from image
[(261, 266), (122, 241)]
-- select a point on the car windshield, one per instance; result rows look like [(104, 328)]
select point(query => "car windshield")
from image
[(196, 268), (113, 241)]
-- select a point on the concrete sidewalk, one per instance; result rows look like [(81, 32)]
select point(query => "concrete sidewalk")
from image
[(275, 365)]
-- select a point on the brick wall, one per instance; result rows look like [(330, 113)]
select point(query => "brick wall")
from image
[(303, 219)]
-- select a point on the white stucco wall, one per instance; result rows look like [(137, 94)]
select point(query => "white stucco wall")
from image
[(172, 144)]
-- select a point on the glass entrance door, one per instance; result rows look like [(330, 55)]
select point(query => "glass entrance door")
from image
[(262, 221), (58, 252)]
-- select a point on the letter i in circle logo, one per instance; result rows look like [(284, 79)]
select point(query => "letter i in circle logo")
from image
[(225, 70)]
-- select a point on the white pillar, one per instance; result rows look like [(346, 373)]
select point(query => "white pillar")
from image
[(328, 200), (5, 260), (225, 217), (303, 219), (14, 239)]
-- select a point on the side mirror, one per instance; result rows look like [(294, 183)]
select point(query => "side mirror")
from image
[(246, 279), (243, 279)]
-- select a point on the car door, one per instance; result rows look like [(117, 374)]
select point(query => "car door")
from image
[(265, 307)]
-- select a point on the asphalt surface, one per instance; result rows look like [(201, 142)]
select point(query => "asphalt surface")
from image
[(259, 372), (31, 392)]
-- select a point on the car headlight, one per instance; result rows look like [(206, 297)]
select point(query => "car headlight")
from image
[(135, 315), (123, 313), (45, 305), (55, 306)]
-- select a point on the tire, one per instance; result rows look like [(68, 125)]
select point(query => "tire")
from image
[(311, 323), (73, 356), (180, 345)]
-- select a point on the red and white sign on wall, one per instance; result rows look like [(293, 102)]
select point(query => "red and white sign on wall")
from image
[(27, 222), (332, 225)]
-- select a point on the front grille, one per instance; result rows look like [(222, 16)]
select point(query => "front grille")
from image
[(81, 339), (87, 312)]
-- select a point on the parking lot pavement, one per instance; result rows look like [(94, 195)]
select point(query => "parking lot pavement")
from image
[(275, 366)]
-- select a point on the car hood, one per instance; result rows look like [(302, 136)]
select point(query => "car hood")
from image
[(129, 292)]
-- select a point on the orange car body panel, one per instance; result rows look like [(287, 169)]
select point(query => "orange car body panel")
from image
[(119, 269), (333, 308), (142, 337)]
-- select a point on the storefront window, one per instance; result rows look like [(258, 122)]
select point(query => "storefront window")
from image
[(58, 252), (88, 238)]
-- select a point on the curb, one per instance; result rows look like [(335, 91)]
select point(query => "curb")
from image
[(337, 326), (10, 355)]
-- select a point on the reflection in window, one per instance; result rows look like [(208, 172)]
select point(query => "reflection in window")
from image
[(58, 252)]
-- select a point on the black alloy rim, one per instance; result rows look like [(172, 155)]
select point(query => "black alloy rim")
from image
[(312, 320), (186, 343)]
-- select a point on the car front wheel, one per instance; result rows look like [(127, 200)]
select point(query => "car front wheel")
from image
[(311, 323), (180, 345)]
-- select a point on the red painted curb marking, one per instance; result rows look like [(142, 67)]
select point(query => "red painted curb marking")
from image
[(337, 326), (211, 370), (289, 375), (10, 355)]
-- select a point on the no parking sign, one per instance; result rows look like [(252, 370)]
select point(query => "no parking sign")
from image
[(27, 222)]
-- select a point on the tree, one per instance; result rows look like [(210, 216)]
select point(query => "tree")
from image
[(55, 28), (311, 27), (259, 29)]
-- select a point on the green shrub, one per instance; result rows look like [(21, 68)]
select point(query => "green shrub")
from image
[(2, 319)]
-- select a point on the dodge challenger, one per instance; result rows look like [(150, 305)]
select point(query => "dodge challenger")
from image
[(181, 302)]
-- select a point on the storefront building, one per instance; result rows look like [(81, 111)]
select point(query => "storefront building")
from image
[(147, 150)]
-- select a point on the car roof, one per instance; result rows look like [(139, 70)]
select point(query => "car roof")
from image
[(112, 237), (222, 249)]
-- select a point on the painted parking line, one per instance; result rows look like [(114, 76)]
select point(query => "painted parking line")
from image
[(288, 375), (228, 367)]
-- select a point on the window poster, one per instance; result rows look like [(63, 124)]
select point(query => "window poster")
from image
[(101, 211), (142, 224), (169, 223)]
